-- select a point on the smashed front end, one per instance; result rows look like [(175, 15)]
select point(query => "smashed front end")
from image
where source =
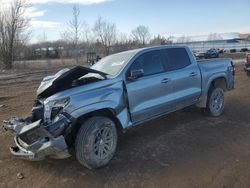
[(36, 139), (47, 131)]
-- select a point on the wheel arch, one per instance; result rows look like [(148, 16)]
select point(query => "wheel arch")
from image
[(106, 112), (219, 81)]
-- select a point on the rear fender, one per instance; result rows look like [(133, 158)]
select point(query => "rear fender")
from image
[(203, 100), (213, 78)]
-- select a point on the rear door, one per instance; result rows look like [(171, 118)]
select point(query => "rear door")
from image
[(185, 77), (151, 94)]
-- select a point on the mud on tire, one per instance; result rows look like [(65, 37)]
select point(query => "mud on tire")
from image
[(96, 142), (215, 102)]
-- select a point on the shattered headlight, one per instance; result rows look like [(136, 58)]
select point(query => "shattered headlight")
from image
[(53, 108), (61, 102)]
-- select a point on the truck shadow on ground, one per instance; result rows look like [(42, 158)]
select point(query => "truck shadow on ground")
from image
[(149, 151), (155, 149), (146, 150)]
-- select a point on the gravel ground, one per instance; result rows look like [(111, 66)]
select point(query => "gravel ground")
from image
[(183, 149)]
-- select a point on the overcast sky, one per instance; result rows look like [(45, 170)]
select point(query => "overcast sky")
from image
[(166, 17)]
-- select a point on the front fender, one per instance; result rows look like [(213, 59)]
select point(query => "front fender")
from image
[(96, 106), (121, 112), (111, 97)]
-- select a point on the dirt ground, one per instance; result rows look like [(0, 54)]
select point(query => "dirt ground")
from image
[(183, 149)]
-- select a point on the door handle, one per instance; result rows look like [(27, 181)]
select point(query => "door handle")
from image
[(193, 74), (165, 80)]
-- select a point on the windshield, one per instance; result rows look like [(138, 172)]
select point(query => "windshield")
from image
[(114, 63)]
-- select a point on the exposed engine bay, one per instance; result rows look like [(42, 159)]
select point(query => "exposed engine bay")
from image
[(66, 79)]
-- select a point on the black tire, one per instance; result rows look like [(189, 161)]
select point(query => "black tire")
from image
[(93, 149), (215, 102)]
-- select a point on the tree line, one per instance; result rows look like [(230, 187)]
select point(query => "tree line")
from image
[(77, 38), (103, 37), (14, 32)]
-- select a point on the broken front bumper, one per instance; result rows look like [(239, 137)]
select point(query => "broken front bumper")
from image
[(34, 141)]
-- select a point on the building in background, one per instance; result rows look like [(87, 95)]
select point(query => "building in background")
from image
[(238, 42)]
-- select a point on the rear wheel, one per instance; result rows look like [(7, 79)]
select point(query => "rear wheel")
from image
[(215, 101), (96, 142)]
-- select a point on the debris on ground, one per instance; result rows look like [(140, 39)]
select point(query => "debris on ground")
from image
[(20, 175)]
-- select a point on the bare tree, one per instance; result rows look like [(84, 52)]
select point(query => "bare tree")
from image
[(160, 40), (42, 38), (141, 34), (106, 33), (122, 38), (89, 37), (75, 25), (13, 30), (72, 34)]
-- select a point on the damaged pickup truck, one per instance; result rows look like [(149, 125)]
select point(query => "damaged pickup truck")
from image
[(87, 107)]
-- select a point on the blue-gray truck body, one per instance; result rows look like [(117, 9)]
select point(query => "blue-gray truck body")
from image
[(119, 93)]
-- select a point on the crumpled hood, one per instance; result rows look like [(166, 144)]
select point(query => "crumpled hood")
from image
[(63, 80)]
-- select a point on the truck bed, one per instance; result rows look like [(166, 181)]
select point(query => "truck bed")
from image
[(219, 66), (212, 60)]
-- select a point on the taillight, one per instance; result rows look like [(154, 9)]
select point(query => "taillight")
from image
[(233, 68)]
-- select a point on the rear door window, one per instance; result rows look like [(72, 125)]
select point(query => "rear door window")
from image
[(176, 58)]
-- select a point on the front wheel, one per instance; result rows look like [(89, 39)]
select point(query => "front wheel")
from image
[(215, 102), (96, 142)]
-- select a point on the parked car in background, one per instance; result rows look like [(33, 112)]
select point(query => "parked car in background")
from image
[(221, 51), (233, 50), (200, 55), (212, 53), (87, 107), (244, 50)]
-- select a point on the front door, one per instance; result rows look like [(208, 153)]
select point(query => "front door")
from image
[(151, 94)]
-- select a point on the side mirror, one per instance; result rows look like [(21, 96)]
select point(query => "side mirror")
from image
[(134, 74)]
